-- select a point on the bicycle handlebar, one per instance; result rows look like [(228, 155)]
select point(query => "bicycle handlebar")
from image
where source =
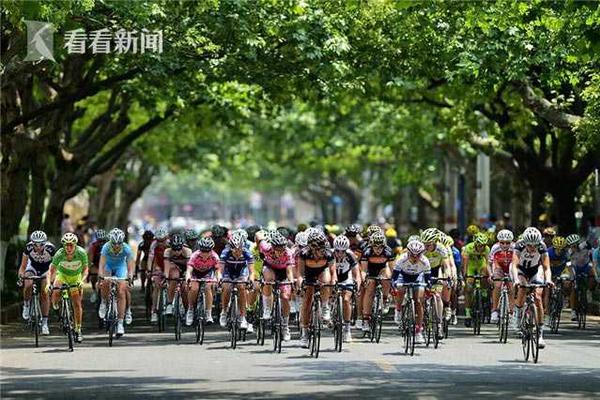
[(33, 278), (503, 279)]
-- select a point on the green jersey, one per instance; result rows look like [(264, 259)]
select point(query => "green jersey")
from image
[(70, 268), (477, 258)]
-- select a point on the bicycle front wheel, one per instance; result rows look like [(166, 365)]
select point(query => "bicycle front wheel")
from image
[(36, 319)]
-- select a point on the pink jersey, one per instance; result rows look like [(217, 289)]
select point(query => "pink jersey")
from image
[(502, 257), (199, 263), (285, 259)]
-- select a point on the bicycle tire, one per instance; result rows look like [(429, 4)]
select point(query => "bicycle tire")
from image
[(427, 322), (503, 320), (161, 310), (435, 327), (148, 299), (277, 324), (375, 315), (412, 328), (233, 320), (354, 314), (477, 313), (200, 318), (581, 307), (36, 318), (340, 323), (316, 328), (177, 316), (68, 324)]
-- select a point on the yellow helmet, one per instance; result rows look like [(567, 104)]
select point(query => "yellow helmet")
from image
[(472, 230), (447, 240), (559, 242), (391, 233)]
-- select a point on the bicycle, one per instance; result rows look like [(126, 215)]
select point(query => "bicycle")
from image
[(409, 324), (232, 314), (556, 303), (477, 312), (376, 321), (581, 286), (34, 323), (530, 328), (200, 319), (276, 314), (503, 309), (111, 317), (161, 307), (148, 289), (66, 312), (315, 325), (261, 325), (178, 307), (432, 319), (337, 317)]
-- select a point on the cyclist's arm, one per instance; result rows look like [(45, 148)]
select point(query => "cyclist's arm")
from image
[(51, 274), (547, 270), (356, 275), (130, 267), (102, 265), (333, 271), (90, 252), (465, 263), (84, 273), (24, 262), (300, 271), (251, 270), (138, 256), (514, 273)]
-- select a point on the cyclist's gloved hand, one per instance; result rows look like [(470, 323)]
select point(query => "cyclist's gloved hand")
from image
[(428, 279)]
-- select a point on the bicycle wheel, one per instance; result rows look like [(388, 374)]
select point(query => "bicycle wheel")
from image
[(316, 328), (148, 299), (339, 323), (526, 332), (68, 323), (277, 325), (200, 318), (110, 322), (581, 307), (477, 313), (375, 316), (160, 309), (412, 328), (558, 312), (427, 322), (233, 320), (534, 333), (503, 320), (36, 319), (435, 327), (354, 314), (176, 311)]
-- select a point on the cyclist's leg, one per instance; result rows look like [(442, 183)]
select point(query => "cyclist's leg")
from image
[(386, 285), (44, 298), (76, 299), (121, 299), (225, 294), (325, 279), (419, 293), (497, 273), (468, 292), (173, 274), (157, 278), (192, 293), (267, 292), (27, 286)]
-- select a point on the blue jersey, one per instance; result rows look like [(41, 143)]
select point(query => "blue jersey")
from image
[(234, 264), (557, 261), (115, 261), (457, 257)]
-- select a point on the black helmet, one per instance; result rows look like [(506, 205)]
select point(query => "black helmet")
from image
[(177, 241), (148, 235)]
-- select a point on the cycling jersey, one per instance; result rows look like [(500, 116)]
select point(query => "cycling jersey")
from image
[(70, 271), (39, 263), (236, 268), (530, 262), (502, 257), (157, 249), (258, 261), (580, 259), (344, 264), (477, 262), (203, 265), (95, 250), (436, 256), (144, 246), (315, 265), (274, 261), (116, 263), (457, 257), (407, 271), (180, 260), (376, 262), (558, 262)]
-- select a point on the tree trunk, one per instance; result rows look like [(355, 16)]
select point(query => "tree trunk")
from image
[(397, 209), (38, 192), (15, 179), (54, 214), (537, 202), (564, 203)]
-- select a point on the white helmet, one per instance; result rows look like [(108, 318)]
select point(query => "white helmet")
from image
[(39, 237), (341, 243), (505, 236), (116, 236), (415, 247), (237, 241), (301, 239), (161, 234), (532, 235)]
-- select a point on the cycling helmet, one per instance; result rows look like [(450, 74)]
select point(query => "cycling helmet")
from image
[(505, 236), (116, 236), (251, 231), (573, 239), (101, 235), (372, 229), (38, 237), (278, 240), (391, 233), (206, 244), (377, 239), (177, 241), (415, 247), (480, 239), (472, 230), (147, 235), (242, 233), (191, 234), (549, 231), (237, 241), (559, 242), (447, 240), (341, 243), (430, 235), (282, 230), (352, 230), (69, 238), (301, 239), (218, 231), (532, 236), (414, 237), (161, 234), (316, 238)]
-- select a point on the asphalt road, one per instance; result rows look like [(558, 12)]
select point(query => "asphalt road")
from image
[(144, 364)]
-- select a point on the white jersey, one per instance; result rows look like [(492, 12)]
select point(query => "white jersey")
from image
[(582, 256), (406, 266)]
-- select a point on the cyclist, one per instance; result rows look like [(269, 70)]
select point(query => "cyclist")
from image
[(454, 292), (580, 260), (362, 244), (559, 258), (412, 267), (142, 256), (258, 267), (237, 264), (348, 275), (36, 260), (499, 260), (176, 259), (392, 241), (219, 236), (475, 255), (70, 266), (472, 230), (202, 265), (191, 239), (316, 262), (377, 261), (94, 257), (352, 232), (117, 260), (531, 264), (447, 289), (439, 262), (278, 264), (548, 234), (156, 261)]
